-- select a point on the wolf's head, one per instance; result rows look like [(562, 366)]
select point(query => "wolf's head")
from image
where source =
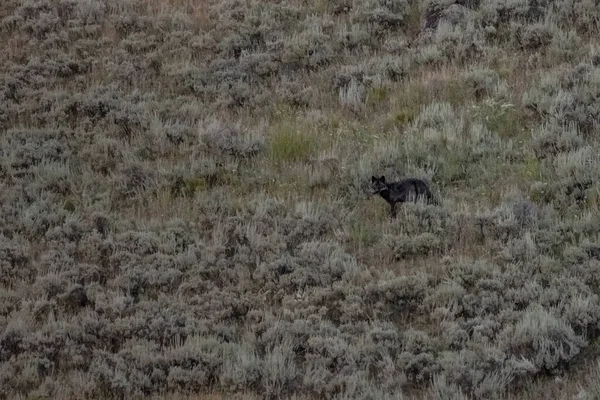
[(378, 185)]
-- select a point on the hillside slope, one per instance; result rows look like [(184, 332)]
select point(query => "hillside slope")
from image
[(185, 211)]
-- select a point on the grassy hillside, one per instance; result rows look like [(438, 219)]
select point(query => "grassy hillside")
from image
[(184, 209)]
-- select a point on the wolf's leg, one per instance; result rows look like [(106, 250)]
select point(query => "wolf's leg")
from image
[(432, 200), (393, 210)]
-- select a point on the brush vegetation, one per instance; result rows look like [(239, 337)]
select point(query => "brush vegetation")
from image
[(184, 211)]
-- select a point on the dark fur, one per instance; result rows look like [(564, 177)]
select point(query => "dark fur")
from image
[(410, 189)]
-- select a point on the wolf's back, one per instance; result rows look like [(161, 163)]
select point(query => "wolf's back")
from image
[(422, 188)]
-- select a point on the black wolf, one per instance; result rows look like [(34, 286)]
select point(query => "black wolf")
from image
[(409, 189)]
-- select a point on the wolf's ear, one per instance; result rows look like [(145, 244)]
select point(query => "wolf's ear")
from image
[(382, 179), (373, 179)]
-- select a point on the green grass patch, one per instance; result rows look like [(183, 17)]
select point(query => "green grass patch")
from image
[(364, 233), (531, 169), (407, 102), (377, 95), (538, 191), (69, 205), (452, 168), (592, 200), (501, 118), (291, 146), (191, 186), (404, 117)]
